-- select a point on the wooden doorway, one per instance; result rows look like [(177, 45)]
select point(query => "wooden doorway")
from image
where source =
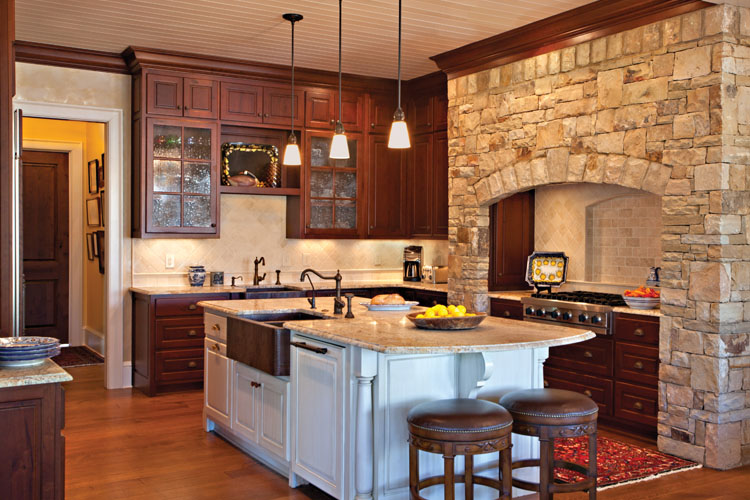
[(45, 244)]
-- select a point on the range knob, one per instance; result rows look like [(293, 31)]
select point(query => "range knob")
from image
[(566, 316), (541, 312), (530, 311), (596, 320), (583, 317), (555, 314)]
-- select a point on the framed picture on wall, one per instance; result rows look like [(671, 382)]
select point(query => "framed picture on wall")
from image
[(90, 242), (100, 174), (102, 206), (93, 212), (100, 247), (94, 244), (93, 173)]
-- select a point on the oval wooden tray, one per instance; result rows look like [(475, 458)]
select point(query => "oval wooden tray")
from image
[(449, 323)]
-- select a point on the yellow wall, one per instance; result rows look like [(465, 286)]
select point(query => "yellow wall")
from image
[(92, 138)]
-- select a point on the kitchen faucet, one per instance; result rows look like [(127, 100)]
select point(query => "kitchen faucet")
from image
[(257, 279), (338, 302), (235, 278)]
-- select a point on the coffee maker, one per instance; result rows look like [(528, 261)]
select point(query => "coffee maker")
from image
[(413, 263)]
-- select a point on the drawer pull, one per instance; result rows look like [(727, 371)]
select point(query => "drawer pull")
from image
[(638, 332), (216, 327), (192, 333), (192, 307), (587, 354), (192, 364), (254, 384), (302, 345), (546, 383), (587, 393), (638, 365), (638, 405), (506, 314), (216, 347)]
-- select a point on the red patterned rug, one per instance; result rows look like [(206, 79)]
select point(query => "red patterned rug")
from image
[(77, 356), (617, 462)]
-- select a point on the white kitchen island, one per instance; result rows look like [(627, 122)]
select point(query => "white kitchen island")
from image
[(353, 381)]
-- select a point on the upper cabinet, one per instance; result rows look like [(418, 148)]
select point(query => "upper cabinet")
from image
[(321, 110), (170, 95), (256, 104), (386, 190)]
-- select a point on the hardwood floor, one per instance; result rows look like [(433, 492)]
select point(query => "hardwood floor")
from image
[(124, 445)]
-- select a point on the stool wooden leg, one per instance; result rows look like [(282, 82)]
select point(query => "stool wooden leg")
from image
[(506, 474), (592, 464), (546, 467), (413, 471), (450, 482), (469, 477)]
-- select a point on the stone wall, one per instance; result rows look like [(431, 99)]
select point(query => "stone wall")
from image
[(662, 108)]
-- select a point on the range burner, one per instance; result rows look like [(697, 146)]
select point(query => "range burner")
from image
[(606, 299)]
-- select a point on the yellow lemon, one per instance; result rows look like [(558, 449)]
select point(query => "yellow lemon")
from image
[(420, 316), (461, 308), (459, 314), (451, 308), (429, 313)]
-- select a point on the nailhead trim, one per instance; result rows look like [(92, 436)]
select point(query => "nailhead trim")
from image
[(549, 415), (459, 431)]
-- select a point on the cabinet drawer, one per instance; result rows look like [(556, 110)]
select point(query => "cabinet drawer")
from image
[(637, 363), (636, 403), (634, 328), (502, 308), (216, 327), (184, 365), (179, 332), (593, 357), (182, 306), (600, 390)]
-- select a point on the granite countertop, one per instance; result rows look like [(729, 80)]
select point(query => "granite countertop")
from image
[(47, 373), (391, 333), (320, 285)]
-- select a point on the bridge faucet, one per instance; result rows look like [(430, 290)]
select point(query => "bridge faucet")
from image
[(338, 302), (257, 279)]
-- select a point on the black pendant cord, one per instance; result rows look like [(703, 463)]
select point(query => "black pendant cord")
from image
[(399, 55), (340, 122), (293, 80)]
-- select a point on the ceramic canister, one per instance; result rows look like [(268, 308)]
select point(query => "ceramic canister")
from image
[(196, 275), (217, 278)]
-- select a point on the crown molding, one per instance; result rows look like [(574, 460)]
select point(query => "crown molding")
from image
[(69, 57)]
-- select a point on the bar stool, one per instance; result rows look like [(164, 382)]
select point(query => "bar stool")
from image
[(550, 414), (464, 427)]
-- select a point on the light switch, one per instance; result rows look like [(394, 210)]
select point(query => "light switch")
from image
[(169, 261)]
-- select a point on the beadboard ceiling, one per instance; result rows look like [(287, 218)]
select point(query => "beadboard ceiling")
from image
[(254, 30)]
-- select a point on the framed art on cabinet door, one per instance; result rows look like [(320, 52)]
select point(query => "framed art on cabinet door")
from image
[(93, 212), (93, 173), (90, 242)]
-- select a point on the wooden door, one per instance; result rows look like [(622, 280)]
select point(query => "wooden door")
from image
[(386, 184), (422, 115), (241, 103), (440, 184), (511, 240), (277, 106), (420, 182), (382, 108), (164, 94), (201, 98), (45, 244), (320, 109), (352, 111), (440, 112)]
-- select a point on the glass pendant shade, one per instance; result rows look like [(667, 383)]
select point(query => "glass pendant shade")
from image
[(399, 138), (339, 146), (291, 154)]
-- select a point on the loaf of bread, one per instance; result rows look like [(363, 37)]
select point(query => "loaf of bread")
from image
[(387, 299)]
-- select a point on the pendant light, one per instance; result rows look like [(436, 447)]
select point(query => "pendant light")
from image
[(339, 145), (399, 136), (291, 152)]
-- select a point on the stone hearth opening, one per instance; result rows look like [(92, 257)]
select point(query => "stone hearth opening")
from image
[(662, 108)]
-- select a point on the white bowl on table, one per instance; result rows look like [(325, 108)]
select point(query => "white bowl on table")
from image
[(642, 302)]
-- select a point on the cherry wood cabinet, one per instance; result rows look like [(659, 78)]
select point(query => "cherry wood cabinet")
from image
[(382, 107), (277, 106), (386, 190), (321, 110), (256, 104), (428, 185), (173, 95), (429, 113), (504, 308), (32, 455), (511, 241)]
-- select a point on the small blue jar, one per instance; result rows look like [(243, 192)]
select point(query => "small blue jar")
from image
[(196, 275)]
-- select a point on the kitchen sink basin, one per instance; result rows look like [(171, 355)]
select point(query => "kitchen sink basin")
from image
[(281, 292), (261, 341)]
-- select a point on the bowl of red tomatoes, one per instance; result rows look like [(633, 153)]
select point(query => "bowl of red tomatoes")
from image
[(642, 297)]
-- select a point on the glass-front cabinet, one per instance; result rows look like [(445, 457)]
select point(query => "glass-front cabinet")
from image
[(333, 187), (181, 178)]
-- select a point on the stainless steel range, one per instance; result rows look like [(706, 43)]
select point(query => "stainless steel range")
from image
[(585, 310)]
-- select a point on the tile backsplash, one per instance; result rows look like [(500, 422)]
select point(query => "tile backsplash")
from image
[(612, 234), (254, 226)]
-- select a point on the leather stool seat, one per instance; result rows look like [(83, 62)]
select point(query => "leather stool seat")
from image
[(464, 427), (549, 414)]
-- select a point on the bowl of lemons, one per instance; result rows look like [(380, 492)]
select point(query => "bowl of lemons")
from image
[(450, 317)]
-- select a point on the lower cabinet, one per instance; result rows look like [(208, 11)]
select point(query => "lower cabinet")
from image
[(318, 416), (504, 308), (217, 384)]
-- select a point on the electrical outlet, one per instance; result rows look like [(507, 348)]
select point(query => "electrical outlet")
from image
[(169, 261), (305, 259)]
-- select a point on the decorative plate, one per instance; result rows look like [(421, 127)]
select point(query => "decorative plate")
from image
[(48, 353), (22, 363), (546, 269), (21, 343), (447, 323), (390, 307)]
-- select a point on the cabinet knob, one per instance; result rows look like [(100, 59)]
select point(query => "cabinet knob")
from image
[(638, 332), (638, 365), (186, 108), (546, 383), (265, 115), (372, 125), (587, 393), (192, 333), (587, 354), (429, 124), (506, 314), (638, 405), (213, 224), (260, 114), (216, 327), (333, 121), (216, 347), (192, 364), (192, 307), (178, 106)]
